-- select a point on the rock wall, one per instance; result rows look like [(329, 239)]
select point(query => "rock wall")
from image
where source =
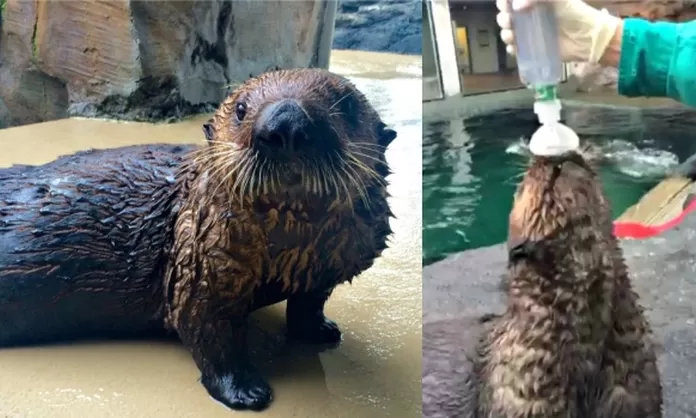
[(380, 25), (147, 60)]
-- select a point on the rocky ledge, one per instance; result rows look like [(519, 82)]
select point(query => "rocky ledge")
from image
[(380, 25), (144, 60)]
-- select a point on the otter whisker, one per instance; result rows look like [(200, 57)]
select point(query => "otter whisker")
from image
[(365, 148), (340, 165), (197, 153), (275, 175), (263, 187), (230, 163), (244, 177), (360, 184), (340, 100), (370, 157), (251, 178), (310, 175), (240, 178), (226, 164), (353, 179), (212, 141), (256, 183), (223, 155), (315, 178), (232, 170), (348, 194), (304, 111), (368, 145), (332, 174), (196, 156), (369, 171), (324, 180)]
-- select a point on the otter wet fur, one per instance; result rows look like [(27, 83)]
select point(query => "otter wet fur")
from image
[(573, 342), (286, 200)]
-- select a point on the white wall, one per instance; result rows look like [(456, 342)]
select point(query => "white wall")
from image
[(445, 44), (484, 59)]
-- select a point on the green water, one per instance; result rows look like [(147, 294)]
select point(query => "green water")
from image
[(469, 178)]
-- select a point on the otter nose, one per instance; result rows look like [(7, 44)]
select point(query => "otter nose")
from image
[(283, 124)]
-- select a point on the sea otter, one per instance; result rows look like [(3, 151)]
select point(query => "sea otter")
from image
[(573, 341), (286, 200)]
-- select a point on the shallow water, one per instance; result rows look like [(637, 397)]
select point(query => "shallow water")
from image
[(473, 163), (374, 373)]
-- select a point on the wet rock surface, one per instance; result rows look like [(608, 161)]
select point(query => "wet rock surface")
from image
[(379, 25), (459, 290), (143, 60)]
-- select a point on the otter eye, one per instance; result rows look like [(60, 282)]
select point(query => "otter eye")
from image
[(240, 111), (556, 172)]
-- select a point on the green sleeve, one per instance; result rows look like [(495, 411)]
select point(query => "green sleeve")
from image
[(658, 59)]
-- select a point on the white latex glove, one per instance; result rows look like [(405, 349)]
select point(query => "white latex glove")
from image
[(584, 31)]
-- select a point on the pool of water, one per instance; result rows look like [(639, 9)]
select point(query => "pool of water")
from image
[(471, 165)]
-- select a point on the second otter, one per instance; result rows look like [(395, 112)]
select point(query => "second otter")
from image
[(574, 341), (286, 201)]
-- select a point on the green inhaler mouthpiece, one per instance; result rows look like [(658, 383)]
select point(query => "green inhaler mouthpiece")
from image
[(545, 93), (552, 137)]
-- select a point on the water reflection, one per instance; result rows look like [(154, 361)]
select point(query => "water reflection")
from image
[(471, 165)]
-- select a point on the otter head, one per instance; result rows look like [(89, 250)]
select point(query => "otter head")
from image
[(301, 133), (559, 212)]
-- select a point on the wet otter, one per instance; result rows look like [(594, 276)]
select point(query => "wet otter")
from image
[(287, 200), (573, 341)]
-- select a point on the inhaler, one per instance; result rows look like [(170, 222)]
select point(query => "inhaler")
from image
[(540, 68)]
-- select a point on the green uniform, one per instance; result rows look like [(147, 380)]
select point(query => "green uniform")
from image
[(658, 59)]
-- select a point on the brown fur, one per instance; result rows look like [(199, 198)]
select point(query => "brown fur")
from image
[(574, 342), (137, 239), (242, 242)]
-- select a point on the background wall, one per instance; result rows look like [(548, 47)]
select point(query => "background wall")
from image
[(380, 25), (147, 60)]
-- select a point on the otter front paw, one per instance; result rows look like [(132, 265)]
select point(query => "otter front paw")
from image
[(320, 330), (242, 390)]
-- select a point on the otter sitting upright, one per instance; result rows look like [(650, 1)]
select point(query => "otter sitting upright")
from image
[(573, 342), (287, 200)]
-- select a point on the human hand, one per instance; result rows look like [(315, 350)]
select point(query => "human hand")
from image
[(584, 32)]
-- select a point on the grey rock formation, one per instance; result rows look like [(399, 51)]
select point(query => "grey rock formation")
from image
[(147, 60), (460, 289), (380, 25)]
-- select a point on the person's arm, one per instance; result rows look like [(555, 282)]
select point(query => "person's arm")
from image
[(655, 59)]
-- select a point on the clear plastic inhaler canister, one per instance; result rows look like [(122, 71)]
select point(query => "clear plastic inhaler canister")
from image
[(540, 68)]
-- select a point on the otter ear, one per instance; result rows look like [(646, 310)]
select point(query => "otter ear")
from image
[(519, 249), (208, 130), (385, 135)]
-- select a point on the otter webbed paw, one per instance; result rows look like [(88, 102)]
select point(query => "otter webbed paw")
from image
[(316, 330), (245, 389), (306, 320)]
